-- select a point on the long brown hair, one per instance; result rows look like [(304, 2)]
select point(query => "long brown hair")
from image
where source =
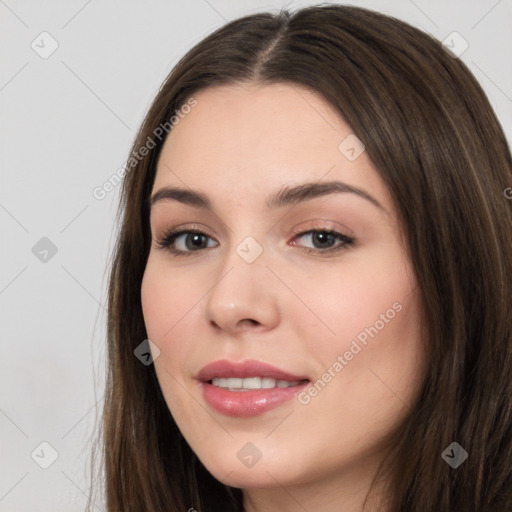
[(429, 129)]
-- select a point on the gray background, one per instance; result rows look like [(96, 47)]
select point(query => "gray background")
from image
[(66, 124)]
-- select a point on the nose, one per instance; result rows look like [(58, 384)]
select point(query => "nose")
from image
[(243, 296)]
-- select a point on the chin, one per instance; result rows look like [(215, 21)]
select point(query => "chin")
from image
[(249, 478), (231, 471)]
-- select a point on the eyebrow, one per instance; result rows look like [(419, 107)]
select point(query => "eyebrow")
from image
[(284, 197)]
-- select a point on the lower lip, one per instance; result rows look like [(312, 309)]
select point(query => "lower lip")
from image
[(247, 403)]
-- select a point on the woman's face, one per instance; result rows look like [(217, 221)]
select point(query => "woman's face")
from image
[(264, 284)]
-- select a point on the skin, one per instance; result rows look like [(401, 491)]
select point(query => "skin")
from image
[(296, 310)]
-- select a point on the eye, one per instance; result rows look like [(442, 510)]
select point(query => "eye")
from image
[(182, 242), (325, 240)]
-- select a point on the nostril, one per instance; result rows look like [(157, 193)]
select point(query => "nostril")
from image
[(249, 321)]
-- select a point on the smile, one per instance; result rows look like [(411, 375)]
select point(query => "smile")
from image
[(238, 384), (248, 388)]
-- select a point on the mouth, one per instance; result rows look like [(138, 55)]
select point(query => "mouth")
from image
[(249, 388), (250, 372), (251, 383)]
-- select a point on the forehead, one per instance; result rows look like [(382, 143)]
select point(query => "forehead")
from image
[(254, 138)]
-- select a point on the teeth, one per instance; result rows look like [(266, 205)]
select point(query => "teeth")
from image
[(237, 384), (267, 382), (249, 383)]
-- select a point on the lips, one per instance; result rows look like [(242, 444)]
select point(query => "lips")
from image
[(251, 368), (244, 403)]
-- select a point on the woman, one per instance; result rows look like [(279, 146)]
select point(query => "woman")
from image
[(316, 238)]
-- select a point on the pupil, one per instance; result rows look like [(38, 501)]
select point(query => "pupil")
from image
[(322, 238), (196, 240)]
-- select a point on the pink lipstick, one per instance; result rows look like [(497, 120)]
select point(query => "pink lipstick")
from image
[(247, 388)]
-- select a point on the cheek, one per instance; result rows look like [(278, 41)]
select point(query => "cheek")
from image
[(165, 300), (167, 308), (369, 373), (173, 314), (170, 317), (367, 290), (370, 317)]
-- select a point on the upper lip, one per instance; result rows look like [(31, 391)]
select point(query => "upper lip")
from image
[(250, 368)]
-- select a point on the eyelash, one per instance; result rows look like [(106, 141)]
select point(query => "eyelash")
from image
[(167, 241)]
